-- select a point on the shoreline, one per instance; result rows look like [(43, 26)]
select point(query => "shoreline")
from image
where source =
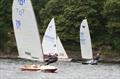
[(102, 60), (106, 60)]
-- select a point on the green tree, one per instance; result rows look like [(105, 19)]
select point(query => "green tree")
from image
[(112, 12), (5, 22), (69, 14), (7, 39)]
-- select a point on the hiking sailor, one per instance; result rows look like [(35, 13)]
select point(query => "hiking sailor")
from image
[(51, 58)]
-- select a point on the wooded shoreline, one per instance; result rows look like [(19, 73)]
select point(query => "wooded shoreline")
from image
[(103, 59)]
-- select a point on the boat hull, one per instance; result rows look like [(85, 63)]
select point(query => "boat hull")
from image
[(50, 70), (64, 59), (29, 69), (46, 68), (92, 62)]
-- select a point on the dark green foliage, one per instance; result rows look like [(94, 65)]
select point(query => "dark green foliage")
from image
[(68, 15), (112, 14), (5, 23), (103, 19), (7, 39)]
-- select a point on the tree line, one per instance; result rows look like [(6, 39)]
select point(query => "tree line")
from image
[(103, 19)]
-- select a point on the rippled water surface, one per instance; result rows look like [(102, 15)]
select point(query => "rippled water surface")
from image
[(9, 69)]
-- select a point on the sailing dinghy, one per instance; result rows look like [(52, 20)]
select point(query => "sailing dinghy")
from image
[(27, 35), (85, 42), (45, 68), (51, 43)]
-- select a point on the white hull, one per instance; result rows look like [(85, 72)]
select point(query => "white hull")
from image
[(64, 59), (92, 62)]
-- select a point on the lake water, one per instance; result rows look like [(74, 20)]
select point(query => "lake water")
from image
[(9, 69)]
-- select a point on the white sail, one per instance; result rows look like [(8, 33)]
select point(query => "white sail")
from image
[(26, 31), (61, 51), (51, 42), (49, 39), (85, 41)]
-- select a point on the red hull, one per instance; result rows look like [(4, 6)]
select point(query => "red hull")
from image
[(50, 70)]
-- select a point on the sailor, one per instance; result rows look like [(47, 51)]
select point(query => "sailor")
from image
[(96, 59), (52, 59), (47, 57)]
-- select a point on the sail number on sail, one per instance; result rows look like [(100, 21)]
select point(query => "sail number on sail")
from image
[(21, 2), (20, 13)]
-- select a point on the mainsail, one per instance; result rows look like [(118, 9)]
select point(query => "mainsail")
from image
[(26, 31), (85, 41), (49, 39), (51, 42)]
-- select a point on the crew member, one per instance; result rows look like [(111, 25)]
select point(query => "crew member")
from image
[(52, 58)]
